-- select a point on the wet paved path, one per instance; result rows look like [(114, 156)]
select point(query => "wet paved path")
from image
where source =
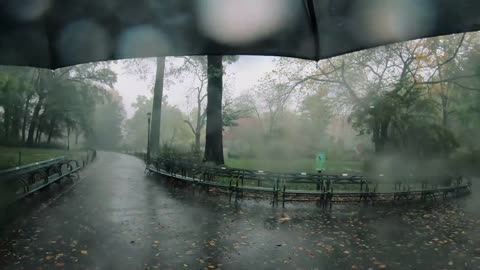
[(117, 218)]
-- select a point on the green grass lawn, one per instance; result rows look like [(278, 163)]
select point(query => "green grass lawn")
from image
[(295, 165), (9, 156)]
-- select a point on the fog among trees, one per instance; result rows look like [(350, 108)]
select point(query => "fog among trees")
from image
[(417, 99)]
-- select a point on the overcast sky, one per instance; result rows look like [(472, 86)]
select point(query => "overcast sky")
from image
[(242, 76)]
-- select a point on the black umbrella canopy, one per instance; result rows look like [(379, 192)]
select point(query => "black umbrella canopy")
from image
[(58, 33)]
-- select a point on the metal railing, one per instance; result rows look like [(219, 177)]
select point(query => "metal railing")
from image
[(19, 182), (285, 187)]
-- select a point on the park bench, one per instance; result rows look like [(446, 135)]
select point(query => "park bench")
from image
[(19, 182), (323, 188)]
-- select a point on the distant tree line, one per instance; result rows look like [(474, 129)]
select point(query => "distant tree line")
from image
[(418, 97), (38, 106)]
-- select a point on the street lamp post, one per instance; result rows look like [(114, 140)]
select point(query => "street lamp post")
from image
[(148, 137)]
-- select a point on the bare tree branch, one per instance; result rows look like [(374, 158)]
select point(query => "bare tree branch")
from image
[(452, 79), (466, 87), (190, 125), (347, 86), (460, 43), (203, 97), (313, 77), (439, 65)]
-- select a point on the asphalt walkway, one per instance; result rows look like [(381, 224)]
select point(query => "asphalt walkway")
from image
[(117, 218)]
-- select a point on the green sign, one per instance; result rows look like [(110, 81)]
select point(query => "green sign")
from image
[(320, 162)]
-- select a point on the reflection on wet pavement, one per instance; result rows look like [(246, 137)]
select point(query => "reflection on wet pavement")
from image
[(117, 218)]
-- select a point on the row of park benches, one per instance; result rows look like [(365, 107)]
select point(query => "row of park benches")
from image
[(285, 187), (19, 182)]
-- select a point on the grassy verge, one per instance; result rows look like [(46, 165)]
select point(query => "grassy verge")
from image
[(296, 165), (9, 156)]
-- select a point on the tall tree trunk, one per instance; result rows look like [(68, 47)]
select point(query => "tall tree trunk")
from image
[(77, 134), (197, 143), (6, 113), (214, 137), (50, 130), (35, 120), (38, 135), (380, 134), (444, 99), (199, 126), (15, 123), (41, 126), (25, 117), (157, 108)]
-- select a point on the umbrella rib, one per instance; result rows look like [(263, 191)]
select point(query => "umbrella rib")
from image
[(312, 19), (49, 34)]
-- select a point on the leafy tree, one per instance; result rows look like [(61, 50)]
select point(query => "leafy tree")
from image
[(173, 130), (274, 99), (108, 122), (41, 103), (15, 97), (245, 105), (465, 120), (316, 112), (72, 93), (136, 131), (236, 108), (383, 88)]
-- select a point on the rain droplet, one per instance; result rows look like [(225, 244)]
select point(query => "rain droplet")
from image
[(143, 41), (392, 20), (27, 10), (241, 22), (81, 42)]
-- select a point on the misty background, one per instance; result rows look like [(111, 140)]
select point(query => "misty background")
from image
[(413, 104)]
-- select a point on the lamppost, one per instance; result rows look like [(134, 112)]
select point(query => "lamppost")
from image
[(149, 114)]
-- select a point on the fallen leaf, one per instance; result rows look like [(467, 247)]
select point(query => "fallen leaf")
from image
[(84, 252), (284, 218)]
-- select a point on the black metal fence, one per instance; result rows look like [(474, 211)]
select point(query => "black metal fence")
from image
[(323, 188)]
